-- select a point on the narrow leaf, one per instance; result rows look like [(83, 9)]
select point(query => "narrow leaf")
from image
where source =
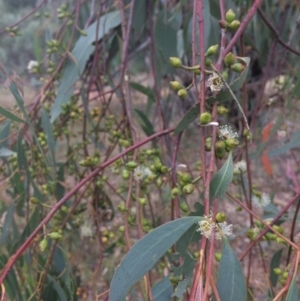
[(76, 63), (145, 253), (162, 290), (5, 152), (221, 180), (144, 90), (7, 225), (275, 261), (10, 115), (223, 96), (146, 123), (231, 281), (293, 294)]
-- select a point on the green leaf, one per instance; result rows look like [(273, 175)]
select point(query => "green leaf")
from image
[(5, 152), (293, 294), (231, 281), (47, 127), (221, 179), (145, 253), (144, 90), (7, 225), (275, 264), (10, 115), (146, 124), (162, 290), (56, 286), (295, 142), (223, 96), (76, 63)]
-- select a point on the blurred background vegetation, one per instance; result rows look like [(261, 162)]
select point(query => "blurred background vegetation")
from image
[(87, 99)]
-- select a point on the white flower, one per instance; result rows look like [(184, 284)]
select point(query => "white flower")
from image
[(206, 226), (87, 228), (31, 65), (223, 230), (261, 201), (215, 83), (141, 172), (240, 167), (225, 131)]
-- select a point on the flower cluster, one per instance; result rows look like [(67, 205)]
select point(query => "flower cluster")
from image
[(226, 132), (207, 225), (262, 200), (215, 83), (240, 167), (141, 172), (32, 65)]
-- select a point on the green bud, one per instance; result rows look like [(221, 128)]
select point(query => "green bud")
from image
[(43, 245), (231, 143), (205, 118), (122, 229), (225, 74), (220, 145), (131, 165), (280, 240), (182, 93), (218, 256), (208, 144), (222, 110), (212, 50), (164, 169), (270, 236), (220, 153), (285, 275), (122, 208), (142, 201), (158, 165), (221, 217), (175, 191), (175, 62), (34, 200), (197, 71), (277, 271), (278, 229), (234, 24), (282, 281), (55, 235), (174, 280), (184, 177), (230, 16), (184, 207), (229, 59), (125, 174), (208, 62), (238, 67), (188, 189), (175, 85)]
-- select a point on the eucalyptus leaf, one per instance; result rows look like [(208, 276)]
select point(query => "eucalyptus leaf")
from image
[(221, 179), (145, 253), (162, 290), (76, 63), (10, 115), (231, 282), (293, 293), (5, 152)]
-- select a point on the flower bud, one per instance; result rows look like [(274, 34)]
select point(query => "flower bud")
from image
[(131, 165), (34, 200), (184, 177), (221, 217), (184, 207), (238, 67), (174, 280), (234, 24), (225, 74), (142, 201), (222, 110), (208, 144), (197, 71), (175, 191), (122, 207), (231, 143), (176, 86), (220, 149), (278, 229), (188, 189), (229, 59), (182, 93), (125, 174), (218, 256), (175, 62), (223, 24), (285, 275), (208, 62), (277, 271), (212, 50), (43, 245), (55, 235), (164, 169), (230, 16), (205, 118)]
